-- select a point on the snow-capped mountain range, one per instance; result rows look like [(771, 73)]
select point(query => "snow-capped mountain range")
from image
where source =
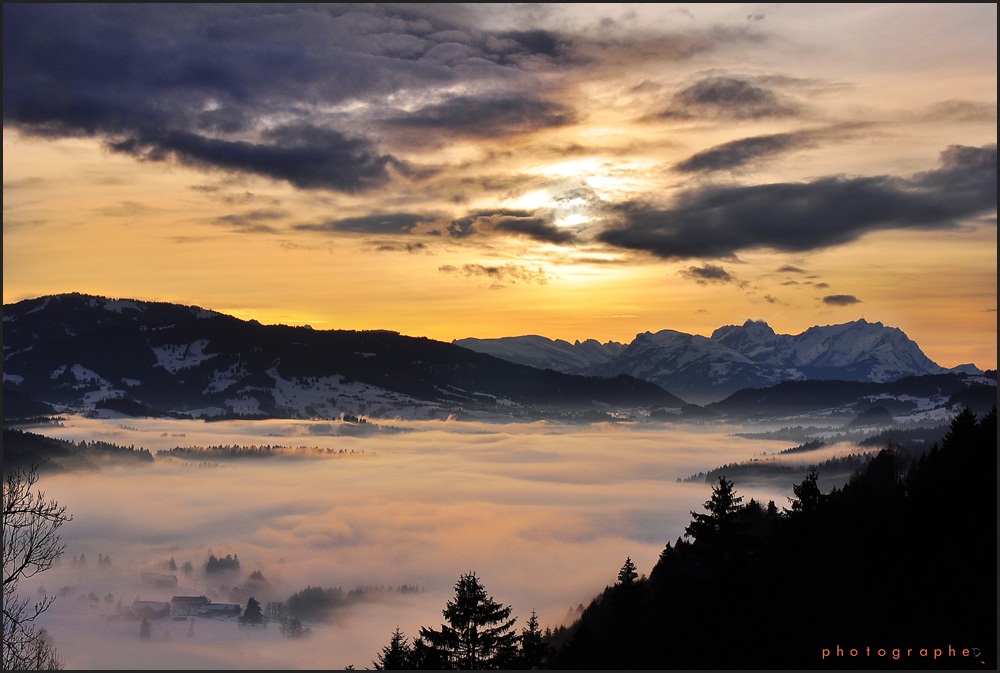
[(75, 353), (703, 370)]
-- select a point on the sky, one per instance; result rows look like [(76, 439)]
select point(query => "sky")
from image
[(544, 513), (574, 171)]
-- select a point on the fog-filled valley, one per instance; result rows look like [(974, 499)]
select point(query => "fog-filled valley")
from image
[(543, 513)]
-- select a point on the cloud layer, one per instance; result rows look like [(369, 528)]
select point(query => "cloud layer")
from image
[(544, 513), (344, 98), (719, 221)]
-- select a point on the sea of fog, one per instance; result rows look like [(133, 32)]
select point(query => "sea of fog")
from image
[(544, 514)]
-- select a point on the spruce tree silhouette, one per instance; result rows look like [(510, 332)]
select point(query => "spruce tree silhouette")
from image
[(722, 518), (397, 655), (479, 634), (807, 493), (534, 651), (628, 573), (252, 614)]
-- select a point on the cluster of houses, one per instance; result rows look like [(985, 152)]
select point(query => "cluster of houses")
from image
[(182, 607)]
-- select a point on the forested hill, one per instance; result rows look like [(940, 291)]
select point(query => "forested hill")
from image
[(895, 570)]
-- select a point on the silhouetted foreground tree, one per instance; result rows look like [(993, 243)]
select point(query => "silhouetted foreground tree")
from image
[(535, 652), (397, 655), (30, 545), (897, 569), (628, 573), (479, 635)]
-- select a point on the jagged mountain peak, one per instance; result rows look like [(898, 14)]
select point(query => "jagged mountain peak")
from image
[(703, 369), (667, 337), (751, 326)]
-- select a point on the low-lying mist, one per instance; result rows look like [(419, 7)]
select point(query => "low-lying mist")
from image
[(545, 514)]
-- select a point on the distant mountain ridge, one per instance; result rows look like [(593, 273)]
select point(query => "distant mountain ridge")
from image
[(703, 369), (76, 353), (83, 353), (545, 353)]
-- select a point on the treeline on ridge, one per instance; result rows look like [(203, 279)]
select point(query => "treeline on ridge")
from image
[(23, 449), (900, 560)]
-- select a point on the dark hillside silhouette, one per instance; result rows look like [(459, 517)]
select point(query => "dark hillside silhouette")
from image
[(174, 355), (895, 570), (48, 454)]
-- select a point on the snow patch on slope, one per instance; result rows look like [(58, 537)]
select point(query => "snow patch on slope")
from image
[(224, 379), (331, 397), (173, 357), (119, 305)]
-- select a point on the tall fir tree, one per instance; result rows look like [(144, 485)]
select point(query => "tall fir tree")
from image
[(397, 655), (628, 573), (480, 631)]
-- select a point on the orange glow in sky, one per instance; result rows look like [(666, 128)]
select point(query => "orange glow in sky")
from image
[(570, 170)]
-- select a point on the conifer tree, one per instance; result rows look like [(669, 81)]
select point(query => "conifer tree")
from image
[(479, 633), (534, 651), (397, 655), (252, 614), (628, 573), (722, 517), (807, 493)]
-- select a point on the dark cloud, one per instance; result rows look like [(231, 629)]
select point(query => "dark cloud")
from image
[(384, 223), (790, 268), (967, 174), (500, 276), (533, 227), (305, 156), (538, 42), (961, 111), (740, 152), (729, 98), (411, 248), (841, 300), (488, 116), (710, 273), (242, 198), (206, 85), (129, 209), (519, 222), (718, 221), (255, 221)]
